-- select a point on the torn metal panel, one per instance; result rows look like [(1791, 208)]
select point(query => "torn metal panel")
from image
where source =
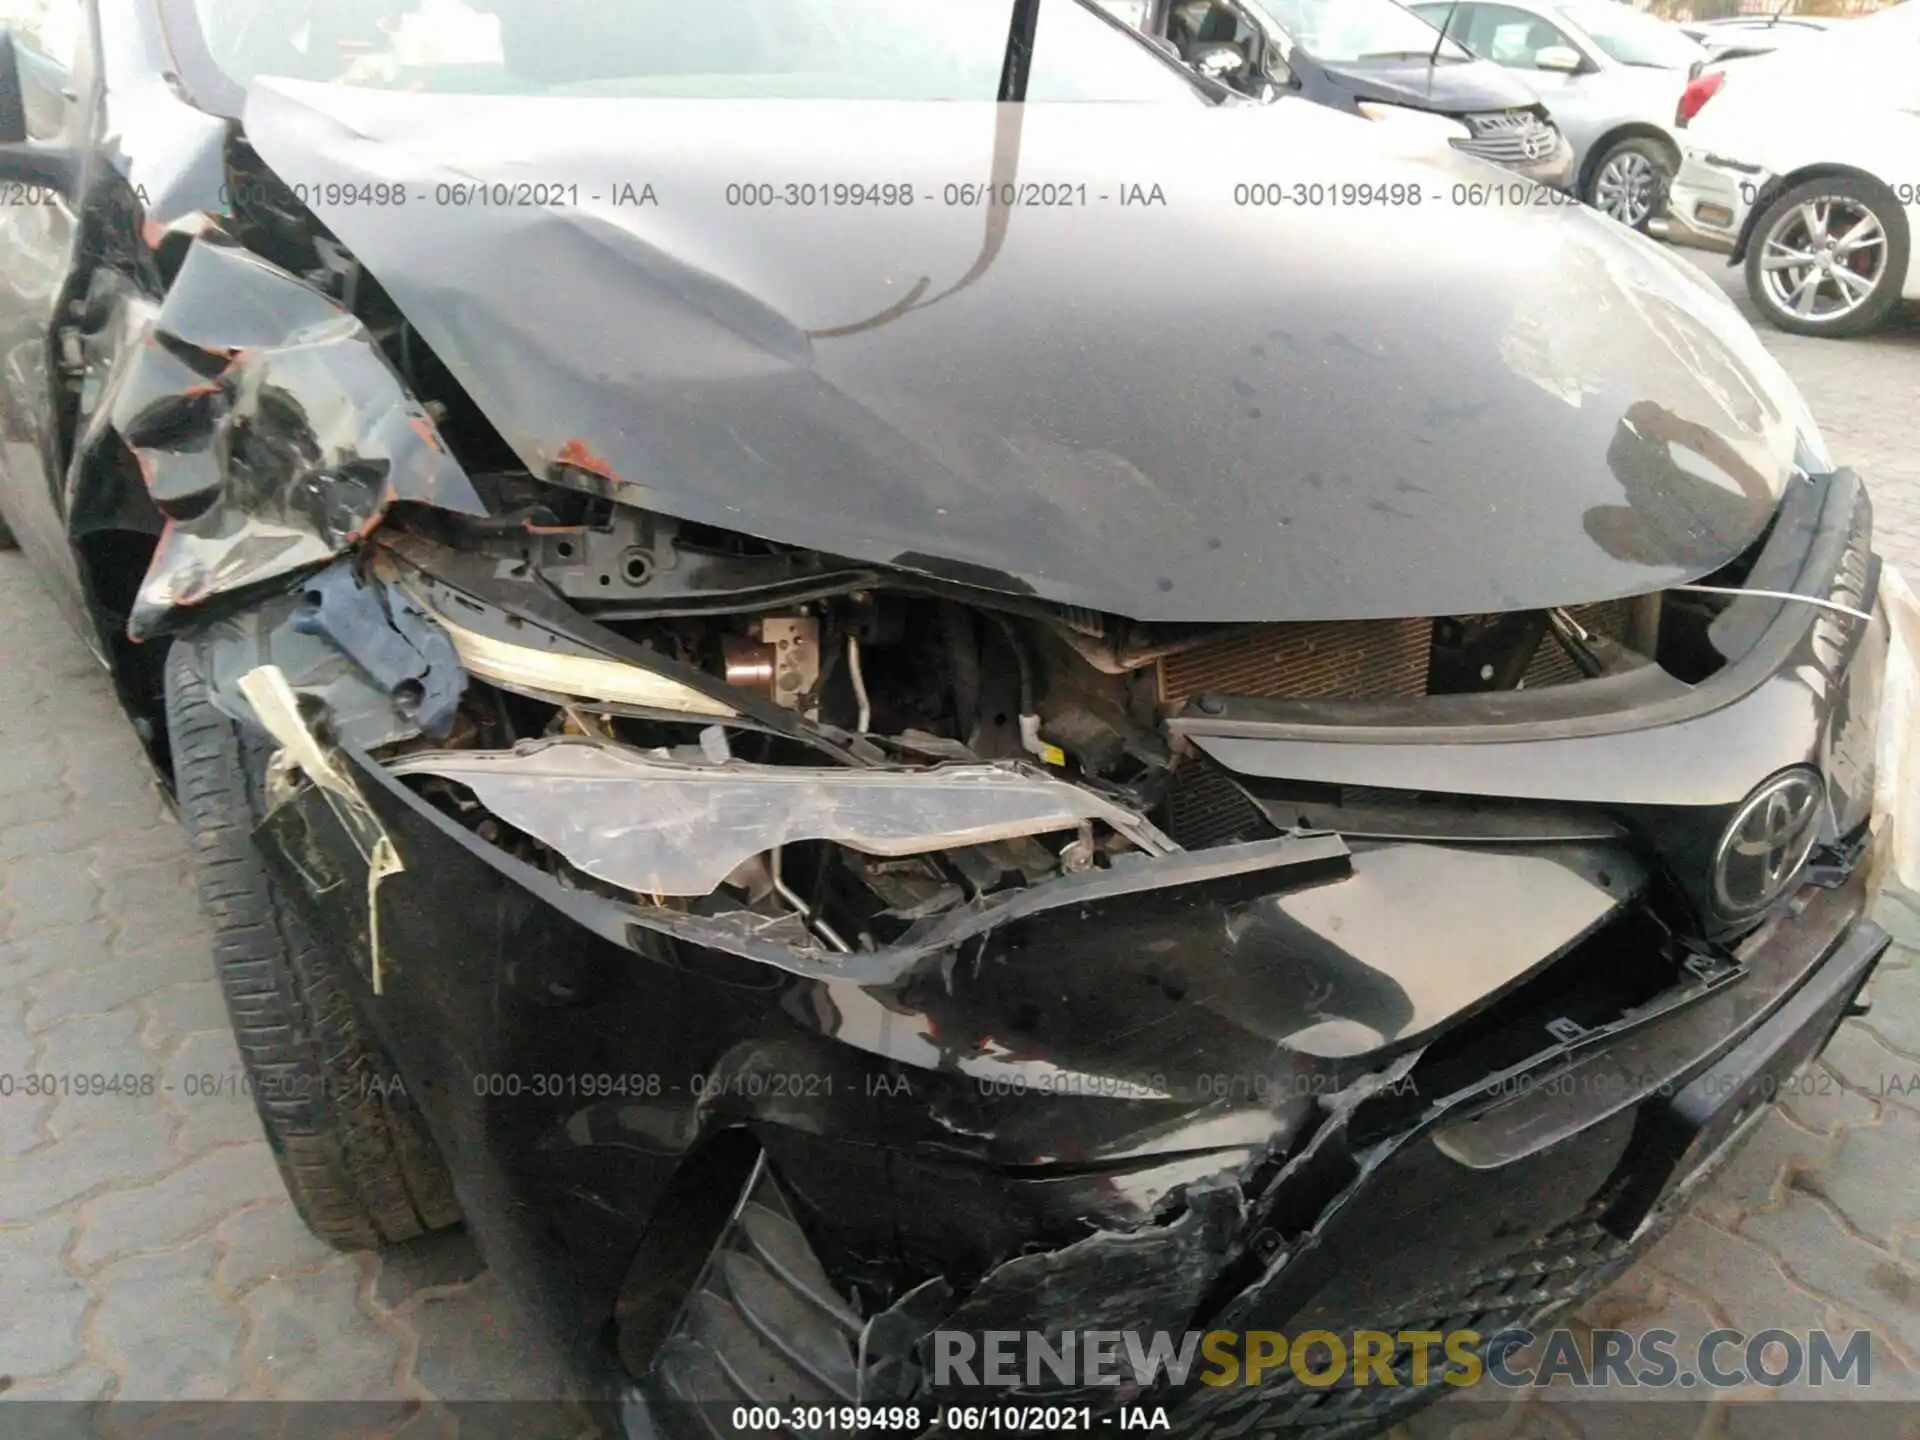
[(270, 430), (663, 828)]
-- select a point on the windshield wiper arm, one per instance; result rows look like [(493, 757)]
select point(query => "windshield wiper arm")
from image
[(1018, 61)]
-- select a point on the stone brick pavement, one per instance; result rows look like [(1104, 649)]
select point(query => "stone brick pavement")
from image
[(147, 1251)]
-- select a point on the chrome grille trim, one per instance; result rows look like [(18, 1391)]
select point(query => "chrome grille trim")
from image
[(1509, 137)]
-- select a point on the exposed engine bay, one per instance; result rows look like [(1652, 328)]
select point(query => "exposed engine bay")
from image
[(590, 645), (1044, 726)]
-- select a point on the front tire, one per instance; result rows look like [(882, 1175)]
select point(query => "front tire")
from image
[(1827, 257), (1631, 179), (355, 1156)]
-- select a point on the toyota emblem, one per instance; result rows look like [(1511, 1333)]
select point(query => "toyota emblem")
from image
[(1766, 842)]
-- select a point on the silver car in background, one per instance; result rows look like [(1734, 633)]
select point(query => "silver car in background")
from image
[(1610, 75)]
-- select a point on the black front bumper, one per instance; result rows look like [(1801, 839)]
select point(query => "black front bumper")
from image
[(1496, 1217), (1435, 1189), (1484, 1215)]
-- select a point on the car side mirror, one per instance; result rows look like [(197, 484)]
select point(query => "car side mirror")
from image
[(1563, 58), (1220, 61), (13, 95), (23, 160)]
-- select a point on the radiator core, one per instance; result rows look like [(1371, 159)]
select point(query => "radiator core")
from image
[(1350, 659), (1331, 660)]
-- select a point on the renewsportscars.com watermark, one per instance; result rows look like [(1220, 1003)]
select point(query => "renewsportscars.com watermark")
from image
[(1649, 1359)]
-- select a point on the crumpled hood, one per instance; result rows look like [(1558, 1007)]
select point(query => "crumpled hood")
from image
[(1152, 400)]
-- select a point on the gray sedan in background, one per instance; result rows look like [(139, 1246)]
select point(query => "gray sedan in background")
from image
[(1610, 75)]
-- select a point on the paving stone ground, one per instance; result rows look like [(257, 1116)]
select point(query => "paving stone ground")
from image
[(148, 1253)]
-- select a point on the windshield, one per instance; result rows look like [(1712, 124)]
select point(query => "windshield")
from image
[(1348, 32), (1633, 37), (718, 49)]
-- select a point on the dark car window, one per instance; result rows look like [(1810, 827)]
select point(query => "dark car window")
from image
[(722, 49), (46, 35)]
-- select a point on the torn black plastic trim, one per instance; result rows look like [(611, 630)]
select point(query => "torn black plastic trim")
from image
[(1141, 1281), (764, 1325), (1641, 1059)]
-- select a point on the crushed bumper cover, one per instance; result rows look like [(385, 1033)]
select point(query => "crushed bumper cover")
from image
[(1499, 1207), (1012, 1133)]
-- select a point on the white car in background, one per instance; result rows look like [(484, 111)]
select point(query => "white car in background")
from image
[(1611, 77), (1739, 36), (1806, 165)]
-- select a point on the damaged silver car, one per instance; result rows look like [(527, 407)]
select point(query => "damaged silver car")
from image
[(823, 690)]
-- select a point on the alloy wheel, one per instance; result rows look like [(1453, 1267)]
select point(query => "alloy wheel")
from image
[(1822, 259), (1627, 188)]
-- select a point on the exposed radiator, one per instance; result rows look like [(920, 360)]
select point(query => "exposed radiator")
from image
[(1205, 808), (1338, 660), (1334, 660), (1350, 659)]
